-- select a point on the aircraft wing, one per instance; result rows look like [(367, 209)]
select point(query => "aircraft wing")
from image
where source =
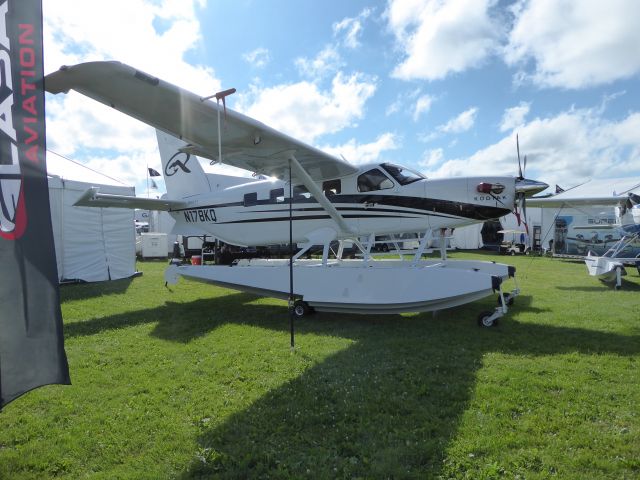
[(553, 202), (596, 227), (92, 198), (246, 143)]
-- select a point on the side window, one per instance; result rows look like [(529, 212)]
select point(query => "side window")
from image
[(300, 192), (331, 187), (373, 180), (276, 195), (250, 199)]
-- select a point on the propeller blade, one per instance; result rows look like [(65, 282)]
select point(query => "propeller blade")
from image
[(518, 149), (516, 206), (524, 166), (524, 207)]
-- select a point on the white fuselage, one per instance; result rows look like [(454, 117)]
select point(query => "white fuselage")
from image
[(257, 212)]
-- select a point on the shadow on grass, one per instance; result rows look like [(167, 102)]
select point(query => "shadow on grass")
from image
[(387, 406), (82, 291), (180, 322), (601, 286)]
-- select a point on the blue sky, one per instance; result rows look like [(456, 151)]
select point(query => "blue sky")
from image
[(442, 87)]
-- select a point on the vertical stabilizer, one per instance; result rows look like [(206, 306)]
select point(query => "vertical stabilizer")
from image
[(182, 171)]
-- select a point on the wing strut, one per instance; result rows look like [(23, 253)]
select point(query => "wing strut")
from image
[(319, 195)]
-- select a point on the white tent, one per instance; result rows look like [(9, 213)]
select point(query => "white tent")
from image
[(468, 238), (92, 244)]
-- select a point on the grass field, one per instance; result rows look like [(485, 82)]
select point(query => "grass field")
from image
[(199, 382)]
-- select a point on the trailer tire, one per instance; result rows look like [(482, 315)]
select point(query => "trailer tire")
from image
[(301, 309), (483, 319)]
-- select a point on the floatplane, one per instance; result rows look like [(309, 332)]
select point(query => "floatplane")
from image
[(610, 266), (309, 198)]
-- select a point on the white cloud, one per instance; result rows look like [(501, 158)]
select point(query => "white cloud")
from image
[(514, 117), (351, 28), (152, 35), (79, 123), (565, 149), (407, 102), (257, 58), (125, 30), (422, 105), (438, 38), (460, 123), (328, 61), (432, 158), (361, 153), (393, 107), (304, 111), (576, 43)]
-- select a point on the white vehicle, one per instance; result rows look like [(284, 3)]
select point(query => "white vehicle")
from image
[(311, 198), (514, 242)]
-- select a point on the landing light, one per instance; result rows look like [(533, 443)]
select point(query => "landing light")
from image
[(485, 187)]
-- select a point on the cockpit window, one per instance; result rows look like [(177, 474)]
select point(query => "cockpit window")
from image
[(373, 180), (402, 175)]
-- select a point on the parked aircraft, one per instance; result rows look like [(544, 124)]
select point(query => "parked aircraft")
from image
[(609, 267), (310, 198)]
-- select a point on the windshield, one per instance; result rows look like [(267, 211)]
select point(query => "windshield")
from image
[(403, 175)]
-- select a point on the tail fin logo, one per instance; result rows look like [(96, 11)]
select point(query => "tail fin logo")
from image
[(177, 162)]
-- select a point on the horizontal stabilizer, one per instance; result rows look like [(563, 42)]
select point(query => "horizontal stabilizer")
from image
[(92, 198)]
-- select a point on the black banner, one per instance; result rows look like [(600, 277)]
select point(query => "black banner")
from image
[(31, 341)]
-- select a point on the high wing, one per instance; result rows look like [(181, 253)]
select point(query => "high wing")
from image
[(92, 198), (595, 227), (246, 143), (553, 202)]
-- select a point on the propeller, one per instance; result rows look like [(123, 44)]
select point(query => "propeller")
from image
[(520, 175), (520, 207)]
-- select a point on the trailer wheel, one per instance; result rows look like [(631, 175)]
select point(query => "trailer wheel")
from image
[(301, 309), (483, 319)]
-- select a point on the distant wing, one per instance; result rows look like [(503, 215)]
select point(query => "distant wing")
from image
[(553, 202), (596, 227), (92, 198), (246, 143)]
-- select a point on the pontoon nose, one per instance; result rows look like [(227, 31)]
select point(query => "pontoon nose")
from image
[(529, 187)]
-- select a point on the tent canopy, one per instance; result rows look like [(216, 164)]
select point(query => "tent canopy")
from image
[(92, 244)]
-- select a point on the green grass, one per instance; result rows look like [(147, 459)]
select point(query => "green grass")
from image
[(199, 382)]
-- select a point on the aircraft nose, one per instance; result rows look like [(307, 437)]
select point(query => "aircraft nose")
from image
[(530, 187)]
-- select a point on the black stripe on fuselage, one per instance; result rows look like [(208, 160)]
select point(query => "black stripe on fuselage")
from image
[(306, 217), (427, 206)]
